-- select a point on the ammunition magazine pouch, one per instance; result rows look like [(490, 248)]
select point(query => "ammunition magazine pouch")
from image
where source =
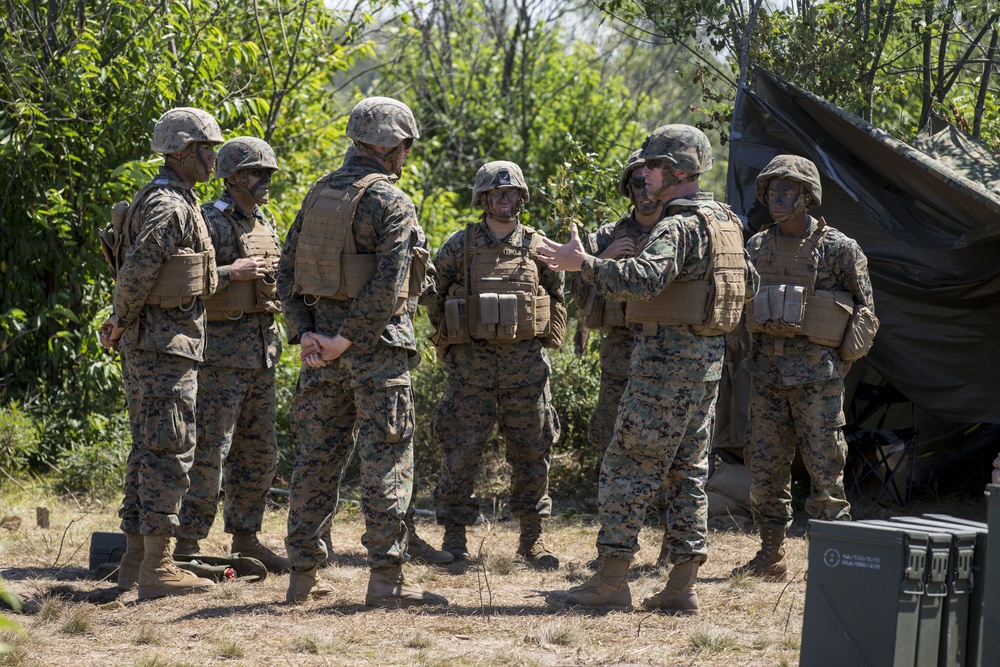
[(182, 278), (711, 306), (860, 335), (247, 296), (789, 310), (603, 314)]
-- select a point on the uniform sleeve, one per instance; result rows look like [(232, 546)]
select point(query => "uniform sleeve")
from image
[(851, 271), (641, 277), (594, 244), (223, 273), (752, 277), (298, 316), (447, 266), (373, 307), (159, 235)]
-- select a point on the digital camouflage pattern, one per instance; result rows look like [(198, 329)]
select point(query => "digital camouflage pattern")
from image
[(492, 384), (462, 423), (367, 388), (666, 416), (796, 396), (381, 121), (793, 168), (781, 417), (495, 175), (243, 153), (160, 348), (237, 440), (683, 147), (180, 126)]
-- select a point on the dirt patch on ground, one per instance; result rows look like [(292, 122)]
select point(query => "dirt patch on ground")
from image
[(497, 614)]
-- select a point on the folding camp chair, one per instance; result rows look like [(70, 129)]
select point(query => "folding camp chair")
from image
[(877, 457)]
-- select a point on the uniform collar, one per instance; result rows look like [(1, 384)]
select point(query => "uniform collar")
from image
[(514, 239)]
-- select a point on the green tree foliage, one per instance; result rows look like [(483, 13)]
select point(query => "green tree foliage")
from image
[(893, 62), (81, 85)]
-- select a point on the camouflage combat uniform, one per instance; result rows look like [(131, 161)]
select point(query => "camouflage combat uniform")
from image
[(161, 349), (367, 389), (797, 396), (489, 384), (667, 412), (236, 405)]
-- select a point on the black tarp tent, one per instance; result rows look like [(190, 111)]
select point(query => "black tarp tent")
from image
[(931, 235)]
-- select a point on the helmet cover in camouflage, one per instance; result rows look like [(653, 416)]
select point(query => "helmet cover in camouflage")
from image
[(634, 162), (381, 121), (496, 175), (243, 153), (180, 126), (683, 147), (791, 168)]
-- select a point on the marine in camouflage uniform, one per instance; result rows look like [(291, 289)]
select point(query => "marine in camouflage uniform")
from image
[(617, 240), (666, 416), (236, 402), (165, 265), (494, 380), (797, 388), (354, 387)]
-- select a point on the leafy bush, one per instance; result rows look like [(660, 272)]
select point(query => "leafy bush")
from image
[(18, 437)]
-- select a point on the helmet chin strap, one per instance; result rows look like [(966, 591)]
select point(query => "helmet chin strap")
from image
[(392, 156), (488, 210), (670, 180), (800, 206), (191, 163)]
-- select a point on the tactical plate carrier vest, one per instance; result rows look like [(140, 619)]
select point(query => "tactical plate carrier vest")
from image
[(602, 313), (502, 301), (712, 305), (184, 276), (247, 296), (788, 303), (327, 263)]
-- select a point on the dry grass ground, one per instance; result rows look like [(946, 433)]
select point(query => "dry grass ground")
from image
[(497, 616)]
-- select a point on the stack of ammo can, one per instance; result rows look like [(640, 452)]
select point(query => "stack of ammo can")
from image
[(910, 591)]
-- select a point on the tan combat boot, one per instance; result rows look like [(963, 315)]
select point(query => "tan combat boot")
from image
[(770, 563), (128, 569), (304, 586), (247, 544), (387, 587), (185, 547), (420, 551), (679, 597), (607, 588), (454, 542), (532, 547), (159, 576)]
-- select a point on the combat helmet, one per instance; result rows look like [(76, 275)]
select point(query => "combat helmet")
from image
[(243, 153), (180, 126), (683, 147), (792, 168), (634, 162), (381, 121), (495, 175)]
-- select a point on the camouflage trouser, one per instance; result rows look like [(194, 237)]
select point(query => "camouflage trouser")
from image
[(662, 436), (160, 390), (462, 423), (602, 428), (808, 416), (326, 411), (236, 438)]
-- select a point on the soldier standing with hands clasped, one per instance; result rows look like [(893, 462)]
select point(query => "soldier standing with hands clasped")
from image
[(351, 261)]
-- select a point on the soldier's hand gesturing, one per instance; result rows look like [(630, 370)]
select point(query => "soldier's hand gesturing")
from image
[(565, 257)]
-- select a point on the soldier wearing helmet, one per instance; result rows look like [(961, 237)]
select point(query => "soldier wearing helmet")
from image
[(684, 287), (352, 261), (166, 266), (813, 316), (236, 397), (617, 240), (496, 308)]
